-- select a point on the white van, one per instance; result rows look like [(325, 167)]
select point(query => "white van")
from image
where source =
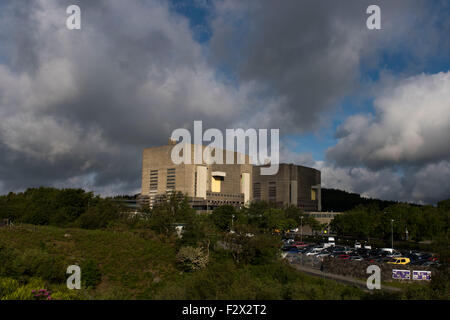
[(330, 243)]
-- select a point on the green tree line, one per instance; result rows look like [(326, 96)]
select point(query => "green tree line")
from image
[(421, 222), (63, 208)]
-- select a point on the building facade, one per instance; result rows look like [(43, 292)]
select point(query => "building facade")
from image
[(210, 185), (292, 185), (206, 185)]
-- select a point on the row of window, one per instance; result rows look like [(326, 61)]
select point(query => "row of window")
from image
[(224, 195), (153, 179), (322, 215), (272, 191), (170, 180)]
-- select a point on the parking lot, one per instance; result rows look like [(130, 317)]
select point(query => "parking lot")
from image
[(313, 254)]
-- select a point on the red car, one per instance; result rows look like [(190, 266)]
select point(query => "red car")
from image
[(299, 244), (343, 257)]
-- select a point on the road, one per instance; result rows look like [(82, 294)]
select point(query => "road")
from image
[(339, 278)]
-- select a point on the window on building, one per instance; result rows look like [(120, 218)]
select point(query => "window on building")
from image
[(272, 191), (153, 179), (257, 191), (171, 179)]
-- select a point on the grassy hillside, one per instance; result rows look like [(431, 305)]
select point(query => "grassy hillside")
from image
[(138, 265), (129, 262)]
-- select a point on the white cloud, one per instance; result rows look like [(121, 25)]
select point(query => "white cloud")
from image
[(411, 126)]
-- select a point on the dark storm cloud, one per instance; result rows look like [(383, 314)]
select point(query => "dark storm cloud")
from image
[(308, 54), (83, 104), (78, 107)]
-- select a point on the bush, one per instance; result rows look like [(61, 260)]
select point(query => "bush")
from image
[(100, 215), (191, 259), (38, 263), (8, 286), (90, 274), (34, 289), (13, 291), (222, 217)]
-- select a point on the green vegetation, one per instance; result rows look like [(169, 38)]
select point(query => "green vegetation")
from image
[(64, 208), (422, 223), (33, 289), (229, 254), (136, 264)]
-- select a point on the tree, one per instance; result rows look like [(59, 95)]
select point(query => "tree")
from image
[(174, 208), (100, 215), (222, 217)]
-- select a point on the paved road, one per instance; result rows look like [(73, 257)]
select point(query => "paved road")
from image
[(343, 279)]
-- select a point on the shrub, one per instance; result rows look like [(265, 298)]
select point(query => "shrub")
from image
[(34, 289), (67, 294), (25, 292), (100, 215), (8, 286), (90, 274), (38, 263), (191, 259)]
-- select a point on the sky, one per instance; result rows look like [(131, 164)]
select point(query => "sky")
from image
[(369, 108)]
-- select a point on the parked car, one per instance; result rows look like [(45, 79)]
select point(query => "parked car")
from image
[(431, 264), (356, 258), (287, 247), (323, 254), (401, 261), (293, 250), (394, 254), (418, 262), (387, 250), (299, 244), (372, 258), (343, 257), (314, 252), (363, 252)]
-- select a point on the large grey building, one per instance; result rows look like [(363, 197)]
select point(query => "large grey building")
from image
[(292, 185), (206, 185), (210, 185)]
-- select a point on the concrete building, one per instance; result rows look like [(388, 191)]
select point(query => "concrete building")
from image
[(324, 217), (206, 185), (210, 185), (292, 185)]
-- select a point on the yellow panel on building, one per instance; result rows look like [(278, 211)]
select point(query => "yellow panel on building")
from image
[(215, 184), (313, 194)]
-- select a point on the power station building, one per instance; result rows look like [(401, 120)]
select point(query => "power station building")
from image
[(206, 185), (211, 185), (292, 185)]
